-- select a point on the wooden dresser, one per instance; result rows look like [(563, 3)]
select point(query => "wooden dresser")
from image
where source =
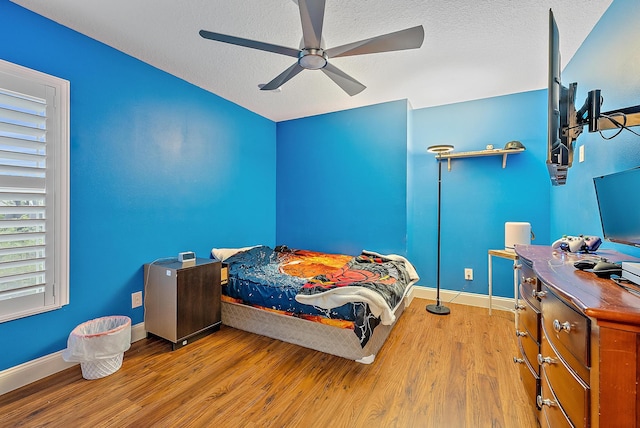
[(579, 341)]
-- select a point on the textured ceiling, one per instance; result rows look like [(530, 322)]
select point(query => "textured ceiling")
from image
[(473, 48)]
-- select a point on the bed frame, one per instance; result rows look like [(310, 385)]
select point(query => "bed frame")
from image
[(321, 337)]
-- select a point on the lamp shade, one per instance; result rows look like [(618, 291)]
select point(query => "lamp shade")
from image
[(440, 148)]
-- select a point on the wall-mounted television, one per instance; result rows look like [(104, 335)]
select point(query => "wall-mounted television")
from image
[(559, 148), (619, 206), (565, 122)]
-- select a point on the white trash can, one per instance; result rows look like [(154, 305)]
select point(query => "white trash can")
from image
[(99, 345)]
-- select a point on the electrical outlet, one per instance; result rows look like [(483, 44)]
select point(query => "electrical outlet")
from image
[(468, 274), (136, 299)]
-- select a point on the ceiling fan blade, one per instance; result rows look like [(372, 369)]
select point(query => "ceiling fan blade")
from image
[(282, 78), (312, 17), (282, 50), (411, 38), (348, 84)]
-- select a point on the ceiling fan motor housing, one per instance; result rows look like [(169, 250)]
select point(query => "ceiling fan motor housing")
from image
[(312, 59)]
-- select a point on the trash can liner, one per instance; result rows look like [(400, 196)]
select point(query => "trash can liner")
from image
[(98, 339)]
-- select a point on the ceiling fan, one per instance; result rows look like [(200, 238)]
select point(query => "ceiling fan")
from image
[(313, 56)]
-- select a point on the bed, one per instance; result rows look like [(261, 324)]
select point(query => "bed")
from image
[(339, 304)]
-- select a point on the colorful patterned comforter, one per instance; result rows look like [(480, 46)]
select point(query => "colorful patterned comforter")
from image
[(349, 292), (380, 281)]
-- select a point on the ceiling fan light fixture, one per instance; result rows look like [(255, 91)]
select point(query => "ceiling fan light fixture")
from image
[(312, 59)]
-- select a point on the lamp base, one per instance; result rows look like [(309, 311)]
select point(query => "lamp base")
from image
[(438, 309)]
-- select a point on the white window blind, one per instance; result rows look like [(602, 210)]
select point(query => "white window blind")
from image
[(33, 192)]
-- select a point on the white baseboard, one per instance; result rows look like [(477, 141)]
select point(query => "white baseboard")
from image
[(464, 298), (31, 371)]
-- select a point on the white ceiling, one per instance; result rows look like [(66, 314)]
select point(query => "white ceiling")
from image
[(473, 48)]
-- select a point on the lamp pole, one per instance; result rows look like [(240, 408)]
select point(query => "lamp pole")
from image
[(439, 309)]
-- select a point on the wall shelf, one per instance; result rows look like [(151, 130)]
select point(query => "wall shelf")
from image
[(474, 154)]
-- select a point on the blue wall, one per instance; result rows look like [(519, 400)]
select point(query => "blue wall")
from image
[(158, 166), (362, 178), (478, 195), (341, 180), (609, 59)]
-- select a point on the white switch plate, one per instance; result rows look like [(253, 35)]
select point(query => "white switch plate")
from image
[(136, 299), (468, 274), (581, 153)]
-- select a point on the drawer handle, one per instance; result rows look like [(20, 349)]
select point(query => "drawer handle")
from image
[(538, 294), (521, 333), (558, 327), (520, 307), (544, 401), (545, 360), (518, 360)]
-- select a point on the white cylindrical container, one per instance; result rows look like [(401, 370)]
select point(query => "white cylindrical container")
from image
[(516, 233)]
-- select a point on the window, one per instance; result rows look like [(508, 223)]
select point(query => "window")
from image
[(34, 188)]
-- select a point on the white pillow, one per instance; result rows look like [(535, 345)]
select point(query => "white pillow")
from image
[(223, 254)]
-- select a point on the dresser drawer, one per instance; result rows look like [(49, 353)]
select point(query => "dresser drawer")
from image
[(551, 415), (530, 349), (571, 393), (530, 377), (528, 319), (529, 285), (567, 329)]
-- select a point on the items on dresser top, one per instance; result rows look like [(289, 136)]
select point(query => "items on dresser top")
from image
[(585, 264), (578, 244), (606, 269)]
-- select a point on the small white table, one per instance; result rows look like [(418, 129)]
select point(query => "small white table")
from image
[(505, 254)]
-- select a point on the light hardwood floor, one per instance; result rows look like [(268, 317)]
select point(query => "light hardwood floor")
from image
[(434, 371)]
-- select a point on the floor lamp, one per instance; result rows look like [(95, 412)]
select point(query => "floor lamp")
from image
[(439, 149)]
